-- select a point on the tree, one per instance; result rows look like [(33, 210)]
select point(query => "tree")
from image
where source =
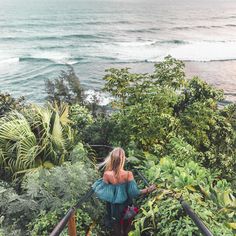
[(66, 88)]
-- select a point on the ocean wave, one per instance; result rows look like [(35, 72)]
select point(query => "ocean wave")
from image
[(36, 59), (48, 24), (148, 30), (105, 58), (181, 28), (27, 73), (52, 57), (174, 41), (47, 56), (213, 60), (9, 60), (223, 17), (217, 26), (102, 98), (133, 52), (135, 43), (205, 51), (197, 27), (82, 36), (151, 51), (39, 24), (53, 38), (230, 25), (52, 47), (106, 22)]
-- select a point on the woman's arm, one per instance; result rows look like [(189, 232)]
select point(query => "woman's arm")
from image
[(149, 189)]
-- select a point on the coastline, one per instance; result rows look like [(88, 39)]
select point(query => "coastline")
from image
[(221, 74)]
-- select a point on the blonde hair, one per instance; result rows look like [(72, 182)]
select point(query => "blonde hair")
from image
[(114, 161)]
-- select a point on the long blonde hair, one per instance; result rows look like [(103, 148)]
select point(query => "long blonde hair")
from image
[(114, 161)]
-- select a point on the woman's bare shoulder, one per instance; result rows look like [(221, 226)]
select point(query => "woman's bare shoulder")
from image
[(108, 173), (106, 176), (130, 175)]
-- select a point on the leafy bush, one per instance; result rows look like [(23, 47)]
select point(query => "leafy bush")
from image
[(8, 103), (162, 214), (47, 195), (81, 117), (46, 221), (51, 188), (56, 193), (15, 209), (99, 132)]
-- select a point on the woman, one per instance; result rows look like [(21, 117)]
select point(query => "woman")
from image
[(118, 188)]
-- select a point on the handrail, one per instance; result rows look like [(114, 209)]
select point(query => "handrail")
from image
[(61, 225), (142, 177), (198, 222), (97, 145)]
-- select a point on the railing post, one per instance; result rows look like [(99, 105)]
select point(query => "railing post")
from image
[(72, 225)]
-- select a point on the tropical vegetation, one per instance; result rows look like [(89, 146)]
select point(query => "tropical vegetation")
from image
[(173, 129)]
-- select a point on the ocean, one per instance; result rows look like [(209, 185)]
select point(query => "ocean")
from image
[(38, 38)]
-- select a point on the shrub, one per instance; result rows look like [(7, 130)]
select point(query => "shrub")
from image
[(81, 117), (8, 103), (162, 214), (47, 194)]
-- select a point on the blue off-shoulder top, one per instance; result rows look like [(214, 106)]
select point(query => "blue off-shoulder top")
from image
[(116, 193)]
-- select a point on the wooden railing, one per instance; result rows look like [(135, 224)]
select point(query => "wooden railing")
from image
[(69, 217)]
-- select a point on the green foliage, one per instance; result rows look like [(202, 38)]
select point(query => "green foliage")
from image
[(16, 209), (199, 90), (8, 103), (170, 73), (153, 110), (81, 117), (7, 230), (66, 88), (1, 229), (211, 134), (170, 116), (179, 149), (56, 193), (162, 214), (45, 222), (99, 132), (146, 109), (48, 194), (171, 127), (147, 103), (51, 188), (39, 137)]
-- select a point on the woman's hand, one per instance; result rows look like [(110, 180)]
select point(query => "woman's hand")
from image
[(151, 188), (148, 189)]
